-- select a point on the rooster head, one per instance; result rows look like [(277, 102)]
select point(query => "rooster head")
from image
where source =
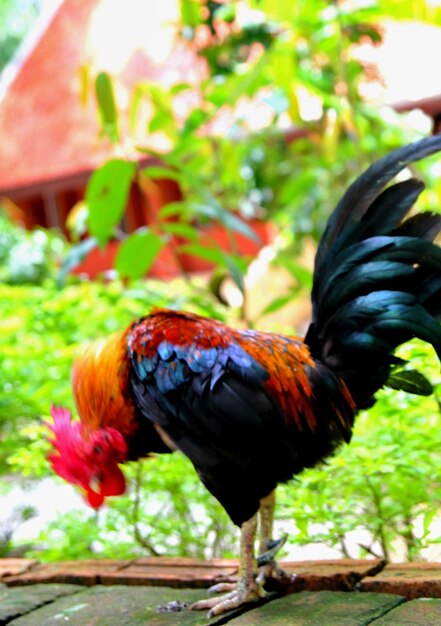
[(87, 460)]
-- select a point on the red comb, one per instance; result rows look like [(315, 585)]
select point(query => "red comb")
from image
[(68, 461), (75, 458)]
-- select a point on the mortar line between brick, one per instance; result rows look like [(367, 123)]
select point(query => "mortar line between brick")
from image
[(120, 568), (386, 611), (43, 603)]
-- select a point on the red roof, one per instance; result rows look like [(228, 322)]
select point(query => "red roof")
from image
[(46, 132)]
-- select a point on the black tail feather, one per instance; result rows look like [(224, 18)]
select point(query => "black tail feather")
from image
[(377, 279), (423, 226), (391, 206), (367, 187)]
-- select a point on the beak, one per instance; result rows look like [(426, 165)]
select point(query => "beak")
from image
[(94, 494), (95, 484), (102, 485)]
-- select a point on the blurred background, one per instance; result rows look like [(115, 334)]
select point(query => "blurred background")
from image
[(187, 154)]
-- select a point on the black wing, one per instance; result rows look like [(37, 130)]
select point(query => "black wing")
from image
[(213, 404)]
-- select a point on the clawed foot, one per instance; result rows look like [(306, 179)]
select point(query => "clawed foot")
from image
[(237, 597)]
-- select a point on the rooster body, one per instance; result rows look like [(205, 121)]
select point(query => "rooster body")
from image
[(252, 409)]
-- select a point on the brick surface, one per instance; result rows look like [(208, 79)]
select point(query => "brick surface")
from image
[(18, 601), (322, 608), (422, 612), (173, 572), (333, 575), (14, 567), (132, 589), (118, 606), (87, 572), (411, 580), (338, 575)]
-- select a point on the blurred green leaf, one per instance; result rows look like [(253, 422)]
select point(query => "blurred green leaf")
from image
[(180, 229), (106, 197), (226, 12), (179, 88), (106, 106), (172, 209), (236, 272), (195, 120), (163, 118), (238, 225), (163, 121), (277, 304), (211, 254), (158, 172), (213, 210), (190, 12), (297, 271), (410, 381), (134, 107), (137, 253)]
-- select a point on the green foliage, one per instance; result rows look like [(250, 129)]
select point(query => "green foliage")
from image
[(27, 257), (230, 150), (11, 524), (387, 481), (165, 511), (174, 503), (42, 328), (230, 166), (16, 18)]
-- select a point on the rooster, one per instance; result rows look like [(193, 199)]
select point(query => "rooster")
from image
[(252, 409)]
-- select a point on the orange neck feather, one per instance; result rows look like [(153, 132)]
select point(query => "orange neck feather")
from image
[(100, 380)]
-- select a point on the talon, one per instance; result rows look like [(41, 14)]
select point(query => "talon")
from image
[(235, 600), (221, 588), (274, 546), (267, 566), (207, 603), (264, 573), (229, 601)]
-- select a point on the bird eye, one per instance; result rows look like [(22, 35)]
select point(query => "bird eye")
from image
[(97, 449)]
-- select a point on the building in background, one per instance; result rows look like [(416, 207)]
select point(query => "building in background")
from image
[(50, 132)]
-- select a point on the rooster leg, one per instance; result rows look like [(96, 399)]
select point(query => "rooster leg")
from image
[(268, 548), (266, 519), (247, 588)]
